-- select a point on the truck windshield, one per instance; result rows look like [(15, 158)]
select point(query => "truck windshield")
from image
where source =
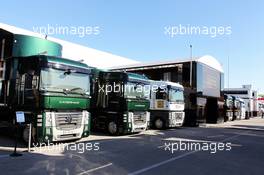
[(64, 81), (236, 104), (137, 90), (176, 95), (229, 103)]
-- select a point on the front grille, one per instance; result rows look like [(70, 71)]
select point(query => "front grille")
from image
[(140, 118), (179, 117), (176, 116), (68, 121), (176, 119)]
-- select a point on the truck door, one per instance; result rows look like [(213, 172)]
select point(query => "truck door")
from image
[(27, 84)]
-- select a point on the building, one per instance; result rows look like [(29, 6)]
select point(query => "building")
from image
[(202, 78), (250, 97)]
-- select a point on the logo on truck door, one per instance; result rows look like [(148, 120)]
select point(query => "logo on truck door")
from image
[(160, 104)]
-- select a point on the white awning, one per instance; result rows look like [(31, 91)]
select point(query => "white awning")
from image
[(90, 56)]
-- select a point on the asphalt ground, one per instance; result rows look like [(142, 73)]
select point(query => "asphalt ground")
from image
[(217, 150)]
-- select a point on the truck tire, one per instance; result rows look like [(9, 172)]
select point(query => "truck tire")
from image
[(112, 128), (25, 134), (159, 123)]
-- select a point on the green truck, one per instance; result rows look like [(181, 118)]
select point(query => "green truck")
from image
[(120, 102), (52, 92)]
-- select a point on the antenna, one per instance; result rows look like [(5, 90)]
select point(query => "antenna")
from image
[(191, 65), (228, 70), (228, 61), (191, 51)]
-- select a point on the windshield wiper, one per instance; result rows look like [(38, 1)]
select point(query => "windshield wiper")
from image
[(65, 91), (48, 88), (78, 88), (142, 97)]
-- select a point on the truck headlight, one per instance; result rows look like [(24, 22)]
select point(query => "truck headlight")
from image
[(130, 117), (48, 121), (170, 115), (148, 116), (86, 115), (125, 117)]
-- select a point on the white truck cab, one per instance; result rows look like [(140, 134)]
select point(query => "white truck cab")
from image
[(166, 105)]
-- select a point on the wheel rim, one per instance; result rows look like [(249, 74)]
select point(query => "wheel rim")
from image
[(112, 127), (159, 123)]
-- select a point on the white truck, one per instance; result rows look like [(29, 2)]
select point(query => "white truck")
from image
[(242, 108), (166, 105)]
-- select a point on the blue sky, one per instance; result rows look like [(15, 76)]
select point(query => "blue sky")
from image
[(135, 29)]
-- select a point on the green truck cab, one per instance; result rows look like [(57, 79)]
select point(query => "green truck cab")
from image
[(119, 106), (52, 92)]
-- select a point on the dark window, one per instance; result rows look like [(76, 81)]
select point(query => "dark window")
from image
[(235, 92), (161, 94), (209, 80)]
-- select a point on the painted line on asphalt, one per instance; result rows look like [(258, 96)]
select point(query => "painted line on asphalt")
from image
[(215, 136), (161, 163), (95, 169), (174, 158)]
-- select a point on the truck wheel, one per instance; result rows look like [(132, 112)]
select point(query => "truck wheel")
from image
[(94, 125), (25, 134), (112, 128), (159, 123)]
